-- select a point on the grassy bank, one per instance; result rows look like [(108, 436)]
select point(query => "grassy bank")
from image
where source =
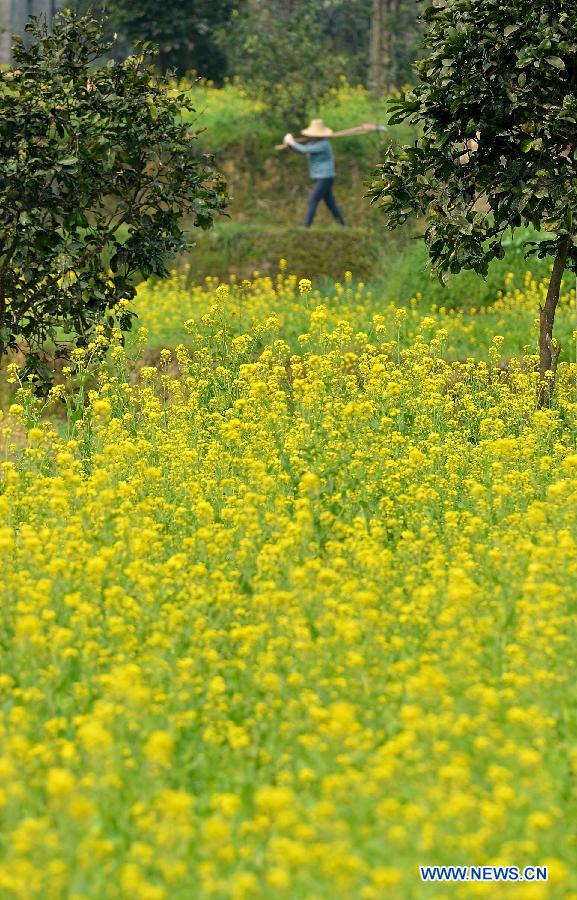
[(232, 119)]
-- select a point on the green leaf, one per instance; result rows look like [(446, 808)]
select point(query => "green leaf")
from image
[(69, 161), (152, 109), (556, 62)]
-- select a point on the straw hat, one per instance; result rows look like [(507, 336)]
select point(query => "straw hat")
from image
[(317, 129)]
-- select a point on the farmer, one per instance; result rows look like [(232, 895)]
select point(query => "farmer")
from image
[(322, 162)]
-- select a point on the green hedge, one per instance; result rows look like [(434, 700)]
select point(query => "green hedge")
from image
[(317, 253)]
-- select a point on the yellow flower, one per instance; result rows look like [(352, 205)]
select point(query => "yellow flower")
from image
[(159, 748), (94, 738), (273, 799), (278, 878), (59, 783)]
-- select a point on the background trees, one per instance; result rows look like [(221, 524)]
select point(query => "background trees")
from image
[(186, 33), (284, 58), (394, 43), (370, 41)]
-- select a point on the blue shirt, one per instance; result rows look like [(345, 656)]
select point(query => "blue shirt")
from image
[(320, 158)]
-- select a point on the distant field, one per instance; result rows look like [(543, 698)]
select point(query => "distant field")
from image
[(269, 191)]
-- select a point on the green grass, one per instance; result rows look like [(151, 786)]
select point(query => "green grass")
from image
[(404, 271), (323, 252), (230, 119)]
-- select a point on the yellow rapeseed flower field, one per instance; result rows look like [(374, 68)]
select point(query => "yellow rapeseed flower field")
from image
[(292, 611)]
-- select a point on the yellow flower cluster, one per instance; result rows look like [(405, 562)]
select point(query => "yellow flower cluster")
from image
[(464, 332), (290, 613)]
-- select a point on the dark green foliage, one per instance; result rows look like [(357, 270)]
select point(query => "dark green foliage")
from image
[(284, 59), (345, 25), (185, 32), (96, 170), (508, 69)]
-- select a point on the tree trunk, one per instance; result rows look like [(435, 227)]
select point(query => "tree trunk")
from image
[(391, 36), (386, 43), (382, 45), (376, 81), (548, 352)]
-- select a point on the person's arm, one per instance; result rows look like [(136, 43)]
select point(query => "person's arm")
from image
[(289, 141)]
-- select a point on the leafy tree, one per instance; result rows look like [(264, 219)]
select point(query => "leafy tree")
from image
[(96, 170), (497, 105), (284, 58), (186, 33)]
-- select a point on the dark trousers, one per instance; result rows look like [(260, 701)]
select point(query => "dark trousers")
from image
[(323, 190)]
